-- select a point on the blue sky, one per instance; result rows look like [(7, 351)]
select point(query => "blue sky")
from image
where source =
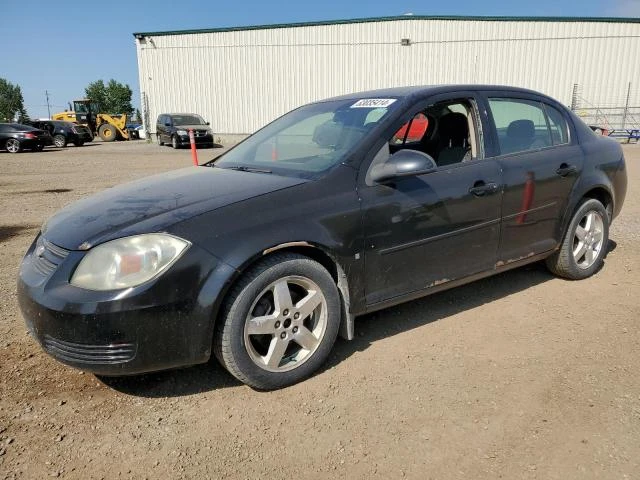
[(62, 46)]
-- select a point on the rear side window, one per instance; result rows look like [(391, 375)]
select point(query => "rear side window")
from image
[(521, 125), (557, 125)]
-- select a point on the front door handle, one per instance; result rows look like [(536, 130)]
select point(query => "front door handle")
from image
[(480, 188), (565, 170)]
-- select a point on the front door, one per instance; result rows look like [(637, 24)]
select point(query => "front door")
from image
[(426, 230)]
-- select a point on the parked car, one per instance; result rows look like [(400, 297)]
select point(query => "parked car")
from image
[(173, 128), (264, 255), (15, 137), (64, 132)]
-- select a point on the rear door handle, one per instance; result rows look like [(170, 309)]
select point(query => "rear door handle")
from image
[(480, 188), (566, 170)]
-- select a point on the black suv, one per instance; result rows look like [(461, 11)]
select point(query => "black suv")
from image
[(64, 132), (174, 128)]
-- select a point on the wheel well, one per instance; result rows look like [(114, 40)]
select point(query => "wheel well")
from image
[(603, 196), (332, 266)]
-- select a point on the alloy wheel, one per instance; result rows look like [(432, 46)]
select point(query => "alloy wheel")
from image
[(588, 239), (12, 145), (286, 324)]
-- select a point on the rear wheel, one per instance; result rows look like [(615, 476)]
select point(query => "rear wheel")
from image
[(13, 145), (108, 133), (279, 322), (60, 141), (585, 243)]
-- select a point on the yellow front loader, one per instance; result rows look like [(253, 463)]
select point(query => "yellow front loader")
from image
[(109, 127)]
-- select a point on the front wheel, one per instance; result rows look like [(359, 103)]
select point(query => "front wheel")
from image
[(159, 139), (585, 242), (279, 322), (108, 133), (174, 142)]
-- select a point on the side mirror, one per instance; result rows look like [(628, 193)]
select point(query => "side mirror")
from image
[(403, 163), (207, 123)]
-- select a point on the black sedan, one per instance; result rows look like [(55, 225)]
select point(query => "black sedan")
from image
[(263, 256), (15, 137), (64, 132)]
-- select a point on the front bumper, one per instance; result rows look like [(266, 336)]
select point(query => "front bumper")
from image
[(165, 323), (201, 141)]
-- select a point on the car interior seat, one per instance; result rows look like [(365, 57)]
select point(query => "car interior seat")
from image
[(453, 139), (520, 136)]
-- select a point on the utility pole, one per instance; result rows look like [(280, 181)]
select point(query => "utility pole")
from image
[(46, 92)]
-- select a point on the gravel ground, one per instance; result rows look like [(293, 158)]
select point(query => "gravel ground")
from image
[(522, 375)]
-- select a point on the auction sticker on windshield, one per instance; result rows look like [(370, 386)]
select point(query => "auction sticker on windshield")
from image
[(373, 102)]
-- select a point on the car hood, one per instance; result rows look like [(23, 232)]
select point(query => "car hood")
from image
[(155, 203)]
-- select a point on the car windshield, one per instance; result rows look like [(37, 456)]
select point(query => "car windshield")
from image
[(187, 120), (309, 140)]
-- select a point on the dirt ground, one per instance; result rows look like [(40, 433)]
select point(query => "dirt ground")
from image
[(519, 376)]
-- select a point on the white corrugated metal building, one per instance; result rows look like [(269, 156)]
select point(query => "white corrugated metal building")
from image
[(241, 78)]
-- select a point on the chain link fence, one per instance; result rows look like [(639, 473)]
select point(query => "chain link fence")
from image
[(617, 116)]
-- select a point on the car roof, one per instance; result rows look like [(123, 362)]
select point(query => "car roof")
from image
[(21, 126), (427, 90)]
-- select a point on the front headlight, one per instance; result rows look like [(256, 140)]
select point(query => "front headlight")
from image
[(181, 132), (127, 262)]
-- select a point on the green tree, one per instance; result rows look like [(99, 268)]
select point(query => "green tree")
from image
[(11, 102), (113, 98)]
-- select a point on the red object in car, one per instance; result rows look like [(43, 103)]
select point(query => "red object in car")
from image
[(417, 129)]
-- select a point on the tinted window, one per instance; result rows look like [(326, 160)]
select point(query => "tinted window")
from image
[(22, 128), (558, 125), (521, 125)]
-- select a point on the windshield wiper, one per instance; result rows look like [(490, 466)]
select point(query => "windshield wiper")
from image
[(244, 168)]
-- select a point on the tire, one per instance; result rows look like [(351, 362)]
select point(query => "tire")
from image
[(174, 142), (13, 145), (59, 141), (269, 354), (584, 246), (108, 133), (78, 143), (159, 139)]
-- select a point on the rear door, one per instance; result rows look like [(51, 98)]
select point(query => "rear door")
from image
[(426, 230), (540, 161)]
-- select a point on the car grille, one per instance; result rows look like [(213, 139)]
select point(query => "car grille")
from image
[(93, 354), (200, 133), (47, 256)]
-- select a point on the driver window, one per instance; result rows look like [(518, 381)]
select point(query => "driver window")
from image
[(447, 131)]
